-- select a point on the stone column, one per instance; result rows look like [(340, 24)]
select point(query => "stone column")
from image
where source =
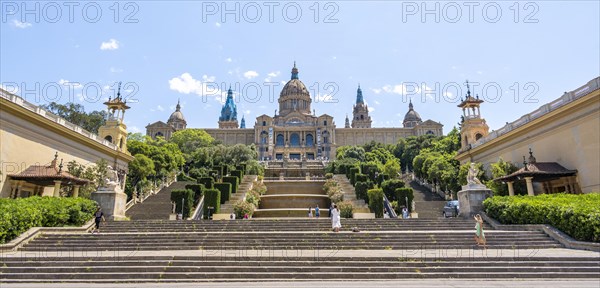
[(529, 186), (56, 188), (511, 190), (75, 191)]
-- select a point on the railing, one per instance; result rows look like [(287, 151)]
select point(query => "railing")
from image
[(388, 207), (565, 99), (129, 204), (52, 117), (199, 211)]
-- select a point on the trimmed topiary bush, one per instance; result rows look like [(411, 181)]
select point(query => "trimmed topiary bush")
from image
[(576, 215), (188, 201), (237, 173), (197, 189), (401, 194), (376, 202), (360, 178), (18, 215), (207, 182), (328, 175), (212, 198), (361, 190), (352, 175), (183, 177), (389, 187), (234, 181), (225, 189)]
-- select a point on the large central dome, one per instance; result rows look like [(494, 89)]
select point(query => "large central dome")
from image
[(294, 96)]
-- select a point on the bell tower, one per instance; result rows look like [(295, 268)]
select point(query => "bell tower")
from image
[(114, 130), (473, 127)]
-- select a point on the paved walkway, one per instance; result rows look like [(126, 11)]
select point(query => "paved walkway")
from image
[(435, 283)]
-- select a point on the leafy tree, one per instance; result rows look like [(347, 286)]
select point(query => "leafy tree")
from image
[(188, 140), (354, 152), (392, 168), (503, 168), (75, 113)]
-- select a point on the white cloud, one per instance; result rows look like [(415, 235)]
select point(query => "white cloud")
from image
[(377, 102), (10, 89), (250, 74), (21, 25), (371, 109), (134, 129), (217, 24), (115, 70), (228, 60), (479, 72), (112, 44), (334, 57), (247, 112), (272, 75), (375, 90), (68, 83), (160, 108), (186, 84)]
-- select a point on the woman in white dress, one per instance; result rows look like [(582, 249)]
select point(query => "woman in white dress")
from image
[(336, 223)]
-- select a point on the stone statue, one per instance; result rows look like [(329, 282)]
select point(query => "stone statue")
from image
[(112, 180), (472, 175), (414, 209)]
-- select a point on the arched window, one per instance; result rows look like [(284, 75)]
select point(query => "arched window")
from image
[(362, 117), (108, 138), (279, 140), (264, 123), (478, 136), (158, 134), (325, 137), (309, 140), (263, 137), (121, 143), (295, 140), (429, 132)]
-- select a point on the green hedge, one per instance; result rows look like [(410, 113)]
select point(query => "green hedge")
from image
[(382, 177), (242, 167), (237, 173), (225, 189), (188, 197), (361, 190), (389, 187), (183, 177), (212, 198), (360, 178), (376, 202), (328, 175), (197, 189), (401, 194), (234, 181), (207, 182), (576, 215), (18, 215), (352, 175)]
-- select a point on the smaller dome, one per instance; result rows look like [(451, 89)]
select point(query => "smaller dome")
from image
[(177, 115), (412, 116)]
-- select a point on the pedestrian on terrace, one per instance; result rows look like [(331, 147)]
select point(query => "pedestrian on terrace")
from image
[(479, 234), (310, 212), (98, 216), (336, 223), (317, 212)]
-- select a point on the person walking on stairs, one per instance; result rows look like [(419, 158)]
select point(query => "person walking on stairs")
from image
[(317, 212), (479, 234), (336, 223), (98, 216)]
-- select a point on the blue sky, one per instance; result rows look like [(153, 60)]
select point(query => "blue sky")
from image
[(164, 51)]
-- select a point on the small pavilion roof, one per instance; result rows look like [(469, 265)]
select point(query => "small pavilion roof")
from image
[(45, 175), (540, 171)]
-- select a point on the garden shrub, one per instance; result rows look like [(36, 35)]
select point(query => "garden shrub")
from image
[(241, 208), (18, 215), (346, 209), (253, 197), (234, 181), (361, 190), (188, 201), (237, 173), (197, 189), (183, 177), (376, 202), (225, 189), (576, 215), (389, 187), (328, 175), (212, 198), (352, 175), (360, 178), (207, 182), (401, 194)]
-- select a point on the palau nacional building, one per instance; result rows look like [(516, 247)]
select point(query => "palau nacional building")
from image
[(295, 131)]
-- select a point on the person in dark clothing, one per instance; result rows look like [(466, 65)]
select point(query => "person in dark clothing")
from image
[(98, 216)]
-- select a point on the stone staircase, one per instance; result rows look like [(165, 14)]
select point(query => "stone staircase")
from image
[(157, 206), (243, 187), (429, 205), (350, 194), (291, 249)]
